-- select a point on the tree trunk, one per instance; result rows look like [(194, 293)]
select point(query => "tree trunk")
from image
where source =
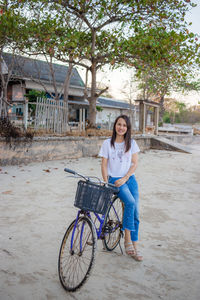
[(3, 88), (92, 99), (66, 87), (4, 103), (162, 109), (52, 75)]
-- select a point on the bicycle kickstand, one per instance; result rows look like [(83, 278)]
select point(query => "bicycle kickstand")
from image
[(122, 234), (121, 248)]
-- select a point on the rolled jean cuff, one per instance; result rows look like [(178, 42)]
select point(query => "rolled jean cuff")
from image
[(123, 228)]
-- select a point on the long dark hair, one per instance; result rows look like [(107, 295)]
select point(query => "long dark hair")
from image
[(127, 136)]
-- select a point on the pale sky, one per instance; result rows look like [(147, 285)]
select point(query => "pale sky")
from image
[(119, 77)]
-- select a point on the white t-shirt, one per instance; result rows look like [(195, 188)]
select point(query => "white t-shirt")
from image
[(119, 161)]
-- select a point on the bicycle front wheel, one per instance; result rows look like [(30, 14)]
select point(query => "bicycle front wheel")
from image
[(113, 224), (76, 256)]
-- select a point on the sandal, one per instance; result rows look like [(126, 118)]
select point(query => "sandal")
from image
[(129, 249), (137, 255)]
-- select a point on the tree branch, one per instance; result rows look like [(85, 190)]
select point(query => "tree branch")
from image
[(97, 95)]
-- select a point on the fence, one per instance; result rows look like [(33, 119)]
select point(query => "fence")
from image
[(51, 115)]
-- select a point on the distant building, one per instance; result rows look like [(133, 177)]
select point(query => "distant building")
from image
[(31, 74), (111, 108)]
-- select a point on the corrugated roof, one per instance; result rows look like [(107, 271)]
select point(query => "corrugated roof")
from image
[(38, 69), (107, 102)]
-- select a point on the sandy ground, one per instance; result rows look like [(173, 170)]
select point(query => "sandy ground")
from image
[(36, 207)]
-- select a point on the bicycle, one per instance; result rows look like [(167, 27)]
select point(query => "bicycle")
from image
[(77, 250)]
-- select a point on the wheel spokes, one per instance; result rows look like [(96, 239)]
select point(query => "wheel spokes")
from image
[(76, 262)]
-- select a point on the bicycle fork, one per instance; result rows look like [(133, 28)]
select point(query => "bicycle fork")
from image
[(77, 231)]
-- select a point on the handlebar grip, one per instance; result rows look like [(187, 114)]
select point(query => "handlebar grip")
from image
[(114, 188), (69, 171)]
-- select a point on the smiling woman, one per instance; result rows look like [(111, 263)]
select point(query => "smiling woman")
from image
[(121, 127), (119, 162)]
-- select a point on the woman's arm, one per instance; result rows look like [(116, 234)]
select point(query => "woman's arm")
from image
[(133, 167), (104, 169)]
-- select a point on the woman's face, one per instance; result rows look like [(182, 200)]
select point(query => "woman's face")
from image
[(121, 127)]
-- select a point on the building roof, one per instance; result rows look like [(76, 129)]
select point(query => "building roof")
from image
[(24, 67), (107, 102)]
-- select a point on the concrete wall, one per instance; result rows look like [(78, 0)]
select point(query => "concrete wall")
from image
[(184, 139), (54, 148)]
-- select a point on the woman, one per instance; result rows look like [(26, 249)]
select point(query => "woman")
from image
[(119, 162)]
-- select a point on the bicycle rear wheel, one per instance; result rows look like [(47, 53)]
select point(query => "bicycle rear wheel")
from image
[(112, 227), (76, 256)]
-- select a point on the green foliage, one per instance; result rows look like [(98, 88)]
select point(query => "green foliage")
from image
[(177, 112), (13, 25), (166, 117), (167, 59), (188, 86), (149, 35), (135, 32), (181, 106), (32, 96), (99, 108)]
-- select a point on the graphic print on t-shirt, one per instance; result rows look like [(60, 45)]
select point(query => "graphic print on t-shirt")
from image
[(119, 161), (120, 154)]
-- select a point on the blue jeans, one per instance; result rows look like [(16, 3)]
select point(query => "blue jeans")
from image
[(129, 195)]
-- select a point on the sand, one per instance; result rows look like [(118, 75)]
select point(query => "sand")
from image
[(36, 207)]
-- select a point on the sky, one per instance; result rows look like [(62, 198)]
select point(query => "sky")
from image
[(118, 78)]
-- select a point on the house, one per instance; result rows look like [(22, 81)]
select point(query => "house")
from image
[(111, 108), (31, 74)]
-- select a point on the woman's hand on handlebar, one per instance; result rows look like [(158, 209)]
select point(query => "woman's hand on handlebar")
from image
[(120, 182)]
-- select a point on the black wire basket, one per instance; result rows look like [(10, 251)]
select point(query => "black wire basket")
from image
[(93, 197)]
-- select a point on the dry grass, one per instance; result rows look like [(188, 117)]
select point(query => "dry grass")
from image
[(196, 131), (87, 133)]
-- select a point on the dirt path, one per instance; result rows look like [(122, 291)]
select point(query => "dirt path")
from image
[(36, 206)]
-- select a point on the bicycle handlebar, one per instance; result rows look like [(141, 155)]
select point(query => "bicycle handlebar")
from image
[(115, 189), (69, 171)]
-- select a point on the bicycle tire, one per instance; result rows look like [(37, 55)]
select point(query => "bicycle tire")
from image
[(112, 226), (75, 266)]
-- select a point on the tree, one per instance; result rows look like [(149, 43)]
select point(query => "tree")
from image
[(162, 71), (104, 87), (129, 90), (44, 39), (21, 32), (176, 112), (98, 32), (12, 25)]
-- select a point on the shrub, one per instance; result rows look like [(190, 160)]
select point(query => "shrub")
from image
[(8, 130), (166, 117)]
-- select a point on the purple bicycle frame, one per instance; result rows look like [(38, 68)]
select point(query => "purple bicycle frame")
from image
[(98, 230)]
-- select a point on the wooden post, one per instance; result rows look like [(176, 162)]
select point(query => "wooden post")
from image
[(144, 118), (141, 112), (25, 114), (80, 118), (84, 119), (156, 118)]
